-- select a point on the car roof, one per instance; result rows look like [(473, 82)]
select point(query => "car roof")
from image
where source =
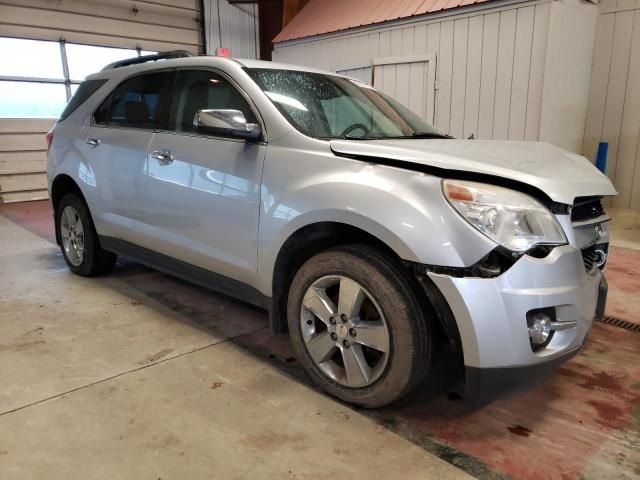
[(202, 61)]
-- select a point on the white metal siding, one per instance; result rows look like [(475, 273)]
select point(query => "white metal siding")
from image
[(614, 104), (232, 26), (408, 78), (490, 65), (23, 159), (150, 25)]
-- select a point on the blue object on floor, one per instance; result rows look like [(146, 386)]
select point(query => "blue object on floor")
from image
[(601, 159)]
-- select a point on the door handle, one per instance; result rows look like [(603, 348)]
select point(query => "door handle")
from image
[(164, 157), (93, 142)]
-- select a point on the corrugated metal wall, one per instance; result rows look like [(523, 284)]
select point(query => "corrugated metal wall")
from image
[(23, 159), (150, 25), (614, 106), (490, 65), (510, 71), (232, 26)]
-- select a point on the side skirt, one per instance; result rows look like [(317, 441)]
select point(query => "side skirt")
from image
[(186, 271)]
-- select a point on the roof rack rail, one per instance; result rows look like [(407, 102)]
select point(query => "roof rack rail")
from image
[(148, 58)]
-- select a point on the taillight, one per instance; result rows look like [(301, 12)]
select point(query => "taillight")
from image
[(49, 138)]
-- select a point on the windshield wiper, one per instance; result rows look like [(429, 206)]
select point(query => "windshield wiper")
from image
[(397, 137), (422, 135), (349, 137)]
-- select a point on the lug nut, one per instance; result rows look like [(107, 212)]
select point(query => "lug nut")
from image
[(352, 332), (345, 343), (332, 320), (344, 318), (309, 322), (334, 336)]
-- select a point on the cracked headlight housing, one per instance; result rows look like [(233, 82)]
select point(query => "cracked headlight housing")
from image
[(513, 219)]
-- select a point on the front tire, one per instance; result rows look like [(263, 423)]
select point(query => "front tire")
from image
[(79, 240), (357, 326)]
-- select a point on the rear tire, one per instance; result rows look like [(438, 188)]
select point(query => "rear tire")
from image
[(327, 326), (79, 240)]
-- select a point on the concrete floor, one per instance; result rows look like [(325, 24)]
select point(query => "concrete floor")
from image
[(139, 375)]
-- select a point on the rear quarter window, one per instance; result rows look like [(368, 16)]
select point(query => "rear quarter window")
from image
[(85, 90)]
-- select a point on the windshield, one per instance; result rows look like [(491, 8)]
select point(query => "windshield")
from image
[(329, 107)]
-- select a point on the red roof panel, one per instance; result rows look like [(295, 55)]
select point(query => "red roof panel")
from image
[(326, 16)]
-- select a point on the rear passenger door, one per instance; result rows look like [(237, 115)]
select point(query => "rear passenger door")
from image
[(203, 201), (115, 145)]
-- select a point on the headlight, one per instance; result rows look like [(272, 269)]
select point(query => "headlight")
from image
[(510, 218)]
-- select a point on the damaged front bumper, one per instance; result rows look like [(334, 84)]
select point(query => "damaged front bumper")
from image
[(491, 316)]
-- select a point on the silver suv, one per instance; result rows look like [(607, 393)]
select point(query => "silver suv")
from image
[(377, 241)]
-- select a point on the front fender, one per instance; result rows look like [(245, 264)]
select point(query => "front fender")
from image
[(404, 209)]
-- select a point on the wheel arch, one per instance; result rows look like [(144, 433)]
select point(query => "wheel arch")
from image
[(313, 238)]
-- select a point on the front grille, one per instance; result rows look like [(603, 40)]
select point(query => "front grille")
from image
[(586, 208), (594, 255)]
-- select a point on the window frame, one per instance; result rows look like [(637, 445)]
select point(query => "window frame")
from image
[(64, 114), (234, 84)]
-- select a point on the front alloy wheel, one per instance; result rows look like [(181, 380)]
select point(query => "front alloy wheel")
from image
[(344, 331), (357, 325)]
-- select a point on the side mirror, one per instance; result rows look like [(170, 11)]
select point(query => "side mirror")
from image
[(226, 122)]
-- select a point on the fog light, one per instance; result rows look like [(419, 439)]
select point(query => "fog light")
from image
[(539, 324)]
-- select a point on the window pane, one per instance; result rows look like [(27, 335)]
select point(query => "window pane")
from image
[(200, 90), (136, 103), (84, 60), (326, 106), (30, 58), (22, 99)]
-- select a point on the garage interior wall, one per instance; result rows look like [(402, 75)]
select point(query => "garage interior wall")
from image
[(152, 25), (614, 105)]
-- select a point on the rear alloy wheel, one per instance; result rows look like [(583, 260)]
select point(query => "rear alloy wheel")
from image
[(79, 240), (72, 235), (357, 326)]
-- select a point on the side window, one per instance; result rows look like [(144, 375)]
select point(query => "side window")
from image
[(135, 103), (101, 115), (200, 90)]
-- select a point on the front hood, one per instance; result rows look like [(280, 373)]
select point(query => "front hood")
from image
[(560, 174)]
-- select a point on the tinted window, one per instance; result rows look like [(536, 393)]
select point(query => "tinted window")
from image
[(84, 91), (101, 116), (328, 106), (136, 102), (201, 90)]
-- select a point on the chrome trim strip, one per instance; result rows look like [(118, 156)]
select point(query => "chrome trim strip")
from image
[(601, 219), (564, 325)]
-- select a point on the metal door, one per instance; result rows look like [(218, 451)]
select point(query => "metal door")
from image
[(410, 79)]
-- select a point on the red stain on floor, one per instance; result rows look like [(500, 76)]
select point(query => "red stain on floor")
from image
[(623, 275), (609, 415), (37, 217), (566, 421), (519, 430)]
